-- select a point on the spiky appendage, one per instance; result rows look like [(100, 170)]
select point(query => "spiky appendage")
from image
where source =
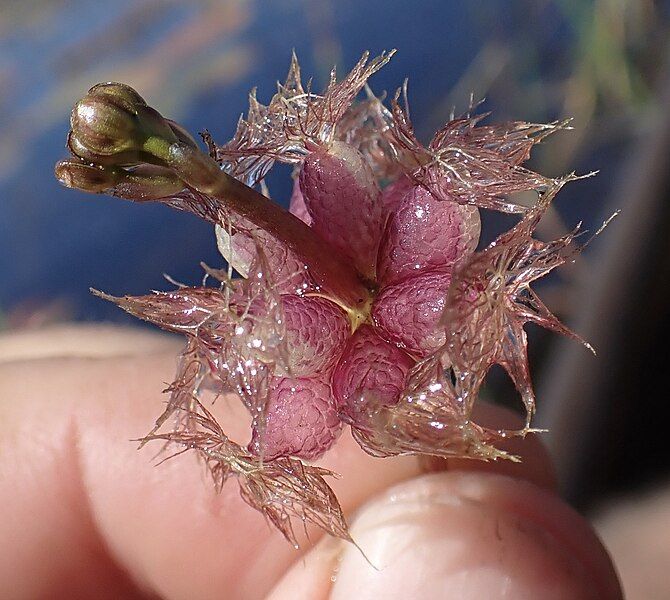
[(490, 300), (488, 303), (284, 490), (236, 336), (475, 164), (295, 119), (365, 304)]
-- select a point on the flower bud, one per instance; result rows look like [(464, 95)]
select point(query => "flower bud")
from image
[(146, 182), (82, 176), (121, 92), (101, 127), (111, 125)]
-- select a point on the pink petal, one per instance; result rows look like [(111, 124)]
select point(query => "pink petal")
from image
[(344, 201), (238, 250), (288, 272), (297, 204), (425, 233), (408, 313), (394, 193), (369, 367), (301, 420), (316, 332)]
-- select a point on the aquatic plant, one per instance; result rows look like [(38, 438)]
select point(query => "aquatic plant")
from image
[(366, 305)]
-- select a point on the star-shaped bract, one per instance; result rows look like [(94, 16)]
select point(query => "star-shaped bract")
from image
[(366, 306)]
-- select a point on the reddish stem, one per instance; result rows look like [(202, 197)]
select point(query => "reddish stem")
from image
[(331, 273)]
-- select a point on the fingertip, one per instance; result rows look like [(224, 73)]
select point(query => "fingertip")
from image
[(463, 535), (474, 535), (70, 340)]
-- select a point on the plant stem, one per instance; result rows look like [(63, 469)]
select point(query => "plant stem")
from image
[(332, 274)]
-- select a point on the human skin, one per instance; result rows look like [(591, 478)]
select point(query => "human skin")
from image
[(87, 515)]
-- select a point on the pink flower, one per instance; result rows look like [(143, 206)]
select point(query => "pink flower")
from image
[(367, 305)]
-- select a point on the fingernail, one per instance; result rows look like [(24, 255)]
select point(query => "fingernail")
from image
[(464, 535)]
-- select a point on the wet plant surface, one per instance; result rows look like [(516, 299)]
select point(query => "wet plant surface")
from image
[(366, 305)]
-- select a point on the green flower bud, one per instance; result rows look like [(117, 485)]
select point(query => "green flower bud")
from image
[(123, 93), (113, 129), (112, 124), (146, 182), (82, 176), (101, 127)]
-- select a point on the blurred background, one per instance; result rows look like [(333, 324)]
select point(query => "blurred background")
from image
[(606, 63)]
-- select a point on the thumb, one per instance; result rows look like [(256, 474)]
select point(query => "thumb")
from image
[(461, 535)]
